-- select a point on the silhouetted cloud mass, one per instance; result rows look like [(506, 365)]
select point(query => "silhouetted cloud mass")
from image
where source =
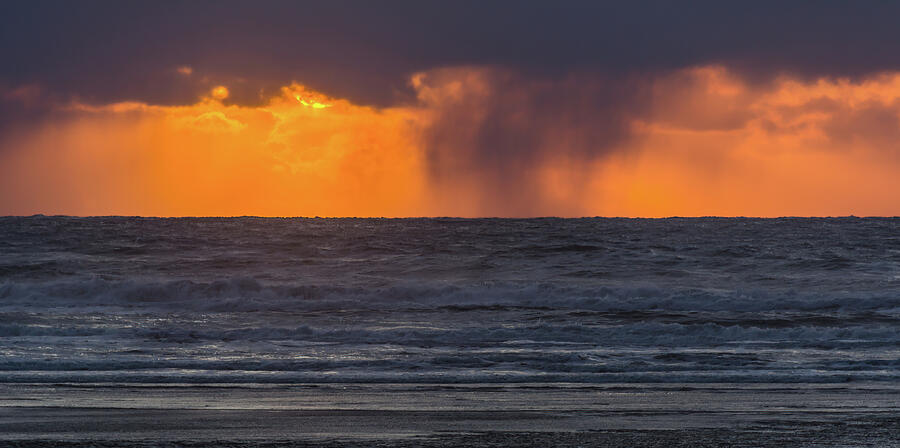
[(364, 51)]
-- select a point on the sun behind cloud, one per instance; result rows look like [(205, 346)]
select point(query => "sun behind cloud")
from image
[(311, 103)]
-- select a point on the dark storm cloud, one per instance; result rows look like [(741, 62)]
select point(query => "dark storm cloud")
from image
[(364, 50), (494, 130)]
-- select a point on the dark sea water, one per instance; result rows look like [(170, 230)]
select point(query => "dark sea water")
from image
[(449, 300), (131, 304)]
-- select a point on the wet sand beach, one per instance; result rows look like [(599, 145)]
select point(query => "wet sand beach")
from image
[(450, 415)]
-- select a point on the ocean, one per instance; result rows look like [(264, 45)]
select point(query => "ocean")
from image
[(582, 324)]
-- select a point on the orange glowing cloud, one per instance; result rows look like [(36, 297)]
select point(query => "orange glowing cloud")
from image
[(219, 92), (214, 159), (717, 146), (477, 142)]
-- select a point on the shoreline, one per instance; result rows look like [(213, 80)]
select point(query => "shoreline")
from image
[(455, 415), (108, 428)]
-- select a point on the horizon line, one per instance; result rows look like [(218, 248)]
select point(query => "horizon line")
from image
[(37, 215)]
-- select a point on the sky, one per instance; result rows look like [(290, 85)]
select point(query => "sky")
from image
[(463, 108)]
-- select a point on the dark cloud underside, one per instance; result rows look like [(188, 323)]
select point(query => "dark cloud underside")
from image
[(364, 50)]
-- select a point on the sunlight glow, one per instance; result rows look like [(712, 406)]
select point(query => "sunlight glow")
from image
[(711, 144), (219, 92), (311, 103)]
